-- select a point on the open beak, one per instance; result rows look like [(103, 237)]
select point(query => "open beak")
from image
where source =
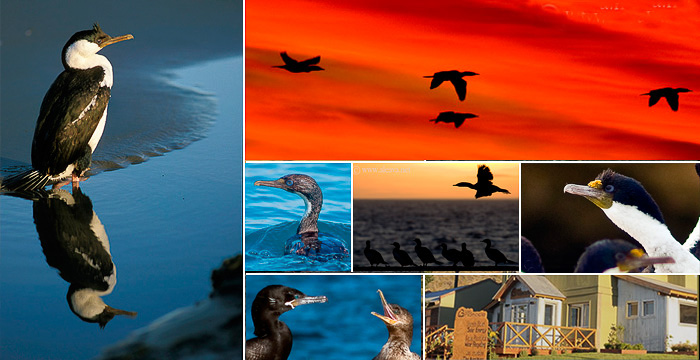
[(306, 300), (116, 40), (388, 316)]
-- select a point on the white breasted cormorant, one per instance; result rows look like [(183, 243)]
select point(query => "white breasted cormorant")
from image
[(629, 206), (273, 339), (401, 256), (399, 322), (452, 255), (467, 256), (72, 115), (307, 241), (424, 254), (692, 244), (670, 94), (294, 66), (484, 185), (455, 77), (615, 256), (495, 255), (453, 117), (373, 256)]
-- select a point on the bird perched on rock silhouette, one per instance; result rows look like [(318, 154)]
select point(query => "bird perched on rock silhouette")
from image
[(670, 94), (424, 254), (373, 256), (495, 255), (453, 76), (401, 256), (453, 117), (484, 185), (295, 66)]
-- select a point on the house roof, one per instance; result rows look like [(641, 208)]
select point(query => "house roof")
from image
[(436, 295), (662, 287), (538, 285)]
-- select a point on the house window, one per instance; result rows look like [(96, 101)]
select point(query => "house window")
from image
[(519, 313), (688, 314), (632, 309), (432, 316), (548, 314), (648, 308), (578, 315)]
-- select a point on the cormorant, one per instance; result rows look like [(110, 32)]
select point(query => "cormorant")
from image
[(495, 255), (692, 244), (424, 254), (530, 260), (455, 77), (670, 94), (467, 257), (615, 256), (72, 115), (399, 322), (307, 241), (453, 117), (373, 256), (273, 339), (453, 255), (629, 206), (484, 185), (402, 256), (294, 66)]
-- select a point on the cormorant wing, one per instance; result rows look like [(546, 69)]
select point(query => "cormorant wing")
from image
[(287, 60), (437, 80), (459, 122), (484, 174), (312, 61), (672, 100), (465, 184), (653, 98), (460, 86)]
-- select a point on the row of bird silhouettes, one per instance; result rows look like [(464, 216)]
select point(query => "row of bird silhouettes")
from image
[(273, 338), (425, 255)]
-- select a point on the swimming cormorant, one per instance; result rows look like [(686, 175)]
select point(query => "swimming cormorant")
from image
[(484, 185), (402, 256), (72, 116), (294, 66), (629, 206), (453, 117), (670, 94), (399, 322), (453, 255), (467, 257), (455, 77), (424, 254), (615, 256), (273, 339), (307, 241), (495, 255), (530, 260), (373, 256)]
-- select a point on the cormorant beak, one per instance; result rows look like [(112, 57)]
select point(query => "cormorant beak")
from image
[(113, 40), (636, 259), (593, 192), (114, 311), (389, 317), (306, 300), (279, 183)]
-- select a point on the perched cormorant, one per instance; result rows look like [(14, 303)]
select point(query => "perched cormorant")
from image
[(72, 115), (373, 256), (402, 256), (273, 339), (452, 255), (484, 185), (467, 257), (495, 255), (399, 322), (629, 206), (424, 254), (455, 77), (307, 241), (453, 117), (606, 256), (530, 260), (670, 94), (692, 244), (294, 66)]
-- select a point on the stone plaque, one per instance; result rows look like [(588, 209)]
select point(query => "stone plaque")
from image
[(471, 334)]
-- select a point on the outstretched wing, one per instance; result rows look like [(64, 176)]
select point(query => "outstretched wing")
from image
[(484, 174), (672, 101), (653, 99), (461, 88), (287, 60), (312, 61)]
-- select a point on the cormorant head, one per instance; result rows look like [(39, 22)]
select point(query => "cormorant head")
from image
[(279, 299), (300, 184), (395, 317), (396, 245), (84, 44), (683, 90), (487, 241), (616, 256), (468, 73), (610, 187), (417, 241)]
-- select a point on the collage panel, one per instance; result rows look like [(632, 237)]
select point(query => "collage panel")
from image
[(435, 216), (617, 316), (298, 216)]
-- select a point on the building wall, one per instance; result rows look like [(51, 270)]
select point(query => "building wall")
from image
[(647, 330), (474, 297), (680, 332)]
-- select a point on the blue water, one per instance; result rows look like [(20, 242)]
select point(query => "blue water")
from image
[(272, 215), (343, 327)]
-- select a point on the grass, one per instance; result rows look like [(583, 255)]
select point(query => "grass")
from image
[(594, 355)]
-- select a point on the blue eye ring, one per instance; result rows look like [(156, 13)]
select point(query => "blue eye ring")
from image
[(289, 182), (609, 188)]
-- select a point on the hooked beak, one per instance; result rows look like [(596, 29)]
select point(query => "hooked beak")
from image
[(279, 183), (638, 259), (306, 300), (117, 39), (593, 192), (388, 316)]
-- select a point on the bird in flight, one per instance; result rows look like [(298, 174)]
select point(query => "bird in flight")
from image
[(295, 66), (670, 94), (455, 77), (453, 117), (484, 185)]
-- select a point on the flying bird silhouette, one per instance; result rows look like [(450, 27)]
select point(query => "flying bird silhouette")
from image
[(294, 66), (484, 186), (453, 117), (670, 94), (455, 77)]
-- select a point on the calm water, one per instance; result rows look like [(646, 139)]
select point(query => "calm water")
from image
[(343, 327), (272, 215), (433, 222), (169, 220)]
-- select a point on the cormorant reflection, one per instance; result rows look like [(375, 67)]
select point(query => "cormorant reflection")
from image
[(76, 244)]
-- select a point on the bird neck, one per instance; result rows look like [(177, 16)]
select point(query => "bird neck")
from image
[(82, 55), (400, 337), (309, 221)]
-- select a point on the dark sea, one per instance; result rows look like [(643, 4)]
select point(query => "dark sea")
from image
[(453, 222)]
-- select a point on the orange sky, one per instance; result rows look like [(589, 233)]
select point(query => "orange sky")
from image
[(558, 80), (431, 180)]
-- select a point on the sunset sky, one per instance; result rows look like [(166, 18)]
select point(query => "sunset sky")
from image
[(558, 79), (431, 180)]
